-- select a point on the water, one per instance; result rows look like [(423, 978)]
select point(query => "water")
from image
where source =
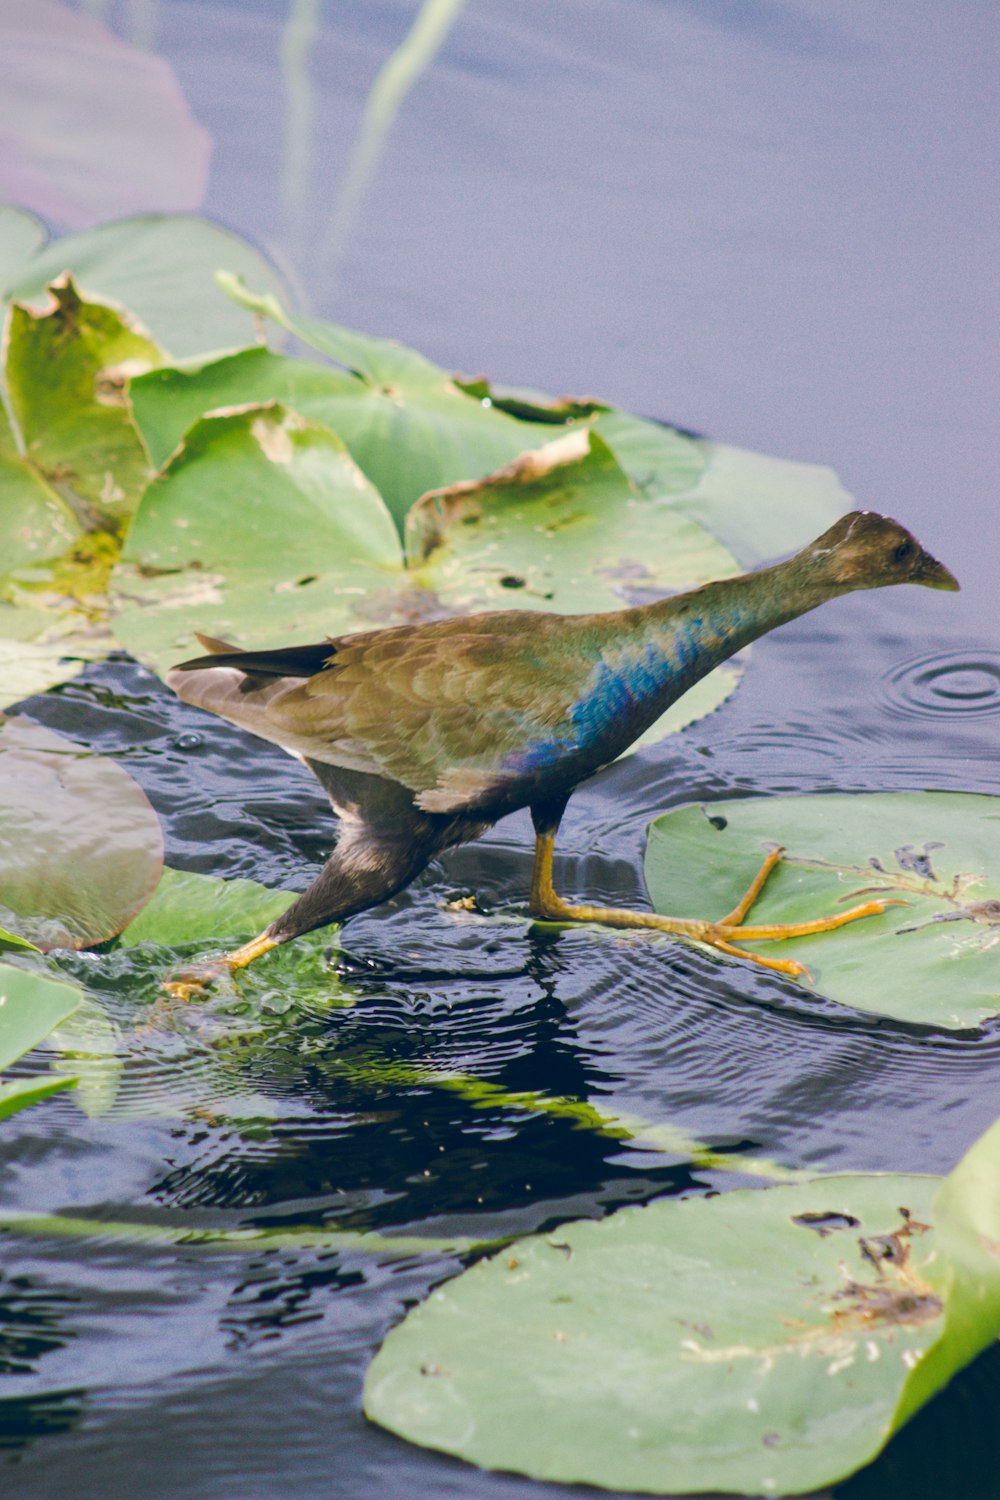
[(766, 223)]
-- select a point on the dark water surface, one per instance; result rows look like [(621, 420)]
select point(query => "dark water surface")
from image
[(764, 221)]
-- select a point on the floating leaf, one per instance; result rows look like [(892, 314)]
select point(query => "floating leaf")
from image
[(309, 539), (160, 266), (66, 370), (21, 236), (82, 848), (933, 961), (11, 940), (31, 1006), (759, 507), (705, 1344), (21, 1092), (561, 528), (408, 425), (191, 908), (167, 401)]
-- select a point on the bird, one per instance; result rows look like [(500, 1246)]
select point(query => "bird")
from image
[(425, 735)]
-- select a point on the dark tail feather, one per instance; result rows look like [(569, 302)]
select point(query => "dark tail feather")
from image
[(287, 661)]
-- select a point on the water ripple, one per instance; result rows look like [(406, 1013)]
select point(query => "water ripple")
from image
[(946, 682)]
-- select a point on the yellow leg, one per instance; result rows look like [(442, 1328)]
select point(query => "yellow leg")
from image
[(722, 934), (187, 983)]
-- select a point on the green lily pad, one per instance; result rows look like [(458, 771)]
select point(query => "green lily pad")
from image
[(82, 848), (762, 1341), (932, 961), (409, 425), (309, 539), (21, 1092), (31, 1006), (21, 237), (11, 940), (191, 908), (68, 478), (561, 528), (759, 507), (167, 401), (66, 371), (160, 266)]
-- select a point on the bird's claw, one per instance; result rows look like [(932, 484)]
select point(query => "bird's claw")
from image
[(190, 984)]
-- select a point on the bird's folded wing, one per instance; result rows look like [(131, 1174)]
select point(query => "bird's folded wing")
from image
[(446, 710)]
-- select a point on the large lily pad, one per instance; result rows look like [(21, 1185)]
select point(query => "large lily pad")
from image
[(764, 1342), (167, 401), (932, 961), (82, 849), (561, 529)]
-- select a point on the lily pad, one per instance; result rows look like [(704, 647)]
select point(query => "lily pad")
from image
[(408, 424), (160, 266), (932, 961), (759, 507), (187, 907), (31, 1006), (66, 371), (762, 1341), (82, 848), (167, 401), (561, 529), (308, 540)]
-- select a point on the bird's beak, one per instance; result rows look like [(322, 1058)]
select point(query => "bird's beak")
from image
[(934, 575)]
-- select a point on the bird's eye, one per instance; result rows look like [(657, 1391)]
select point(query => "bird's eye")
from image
[(902, 552)]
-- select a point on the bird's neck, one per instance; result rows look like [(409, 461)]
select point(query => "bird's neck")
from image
[(660, 650), (708, 624)]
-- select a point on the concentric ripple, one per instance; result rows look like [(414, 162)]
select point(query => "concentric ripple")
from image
[(946, 682)]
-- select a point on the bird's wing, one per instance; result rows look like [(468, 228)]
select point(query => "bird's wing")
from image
[(447, 709)]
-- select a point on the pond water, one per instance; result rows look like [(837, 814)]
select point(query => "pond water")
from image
[(766, 222)]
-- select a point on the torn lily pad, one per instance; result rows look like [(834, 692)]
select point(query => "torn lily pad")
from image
[(934, 961), (763, 1342), (66, 372)]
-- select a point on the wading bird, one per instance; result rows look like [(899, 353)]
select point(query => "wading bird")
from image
[(425, 735)]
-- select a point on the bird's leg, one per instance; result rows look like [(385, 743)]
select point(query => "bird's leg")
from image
[(723, 934), (368, 865)]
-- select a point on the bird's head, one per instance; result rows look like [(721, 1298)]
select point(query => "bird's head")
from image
[(864, 550)]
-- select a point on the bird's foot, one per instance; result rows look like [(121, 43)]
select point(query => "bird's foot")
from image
[(188, 983), (724, 934)]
